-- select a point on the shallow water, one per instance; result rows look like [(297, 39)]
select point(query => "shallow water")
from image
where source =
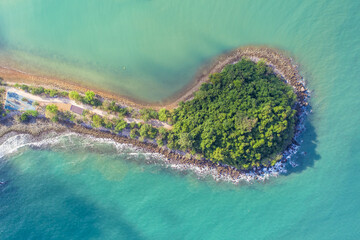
[(81, 189)]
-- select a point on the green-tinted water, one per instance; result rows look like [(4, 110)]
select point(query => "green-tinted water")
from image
[(81, 191)]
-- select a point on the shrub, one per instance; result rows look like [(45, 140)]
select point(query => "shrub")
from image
[(72, 118), (147, 113), (89, 96), (133, 133), (52, 108), (24, 87), (120, 125), (113, 107), (97, 121), (133, 125), (123, 111), (106, 105), (74, 95), (85, 112), (24, 117), (90, 99), (37, 91), (53, 93), (163, 134), (51, 111), (108, 123), (147, 130), (164, 115), (55, 118), (32, 113), (160, 142), (65, 115)]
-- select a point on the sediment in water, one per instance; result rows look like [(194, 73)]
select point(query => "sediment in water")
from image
[(282, 65)]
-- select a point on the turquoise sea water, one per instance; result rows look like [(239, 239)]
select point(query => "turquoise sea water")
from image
[(78, 188)]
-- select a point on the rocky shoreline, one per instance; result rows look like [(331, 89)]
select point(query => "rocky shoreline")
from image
[(278, 59), (282, 65)]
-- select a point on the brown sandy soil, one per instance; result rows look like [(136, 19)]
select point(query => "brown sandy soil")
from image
[(273, 57), (42, 126), (281, 64), (63, 106)]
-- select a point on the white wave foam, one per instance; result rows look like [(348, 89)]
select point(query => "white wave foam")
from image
[(20, 141)]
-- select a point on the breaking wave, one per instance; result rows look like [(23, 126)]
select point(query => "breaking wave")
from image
[(70, 142)]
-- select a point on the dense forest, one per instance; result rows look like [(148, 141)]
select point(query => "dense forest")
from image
[(243, 117)]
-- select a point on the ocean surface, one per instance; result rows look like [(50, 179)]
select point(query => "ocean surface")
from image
[(75, 187)]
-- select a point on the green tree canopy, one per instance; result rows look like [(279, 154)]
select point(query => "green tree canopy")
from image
[(164, 114), (24, 117), (242, 117), (148, 113), (74, 95), (120, 125), (147, 131), (52, 112), (89, 96), (97, 121)]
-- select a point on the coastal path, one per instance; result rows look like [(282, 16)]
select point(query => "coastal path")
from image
[(65, 104)]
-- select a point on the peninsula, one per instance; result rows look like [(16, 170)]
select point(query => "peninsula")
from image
[(238, 119)]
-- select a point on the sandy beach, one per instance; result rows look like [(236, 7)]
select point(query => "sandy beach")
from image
[(282, 64)]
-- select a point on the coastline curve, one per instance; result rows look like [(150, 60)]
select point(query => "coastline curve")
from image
[(279, 60), (282, 65)]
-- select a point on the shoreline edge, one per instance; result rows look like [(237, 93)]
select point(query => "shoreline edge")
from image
[(282, 65)]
